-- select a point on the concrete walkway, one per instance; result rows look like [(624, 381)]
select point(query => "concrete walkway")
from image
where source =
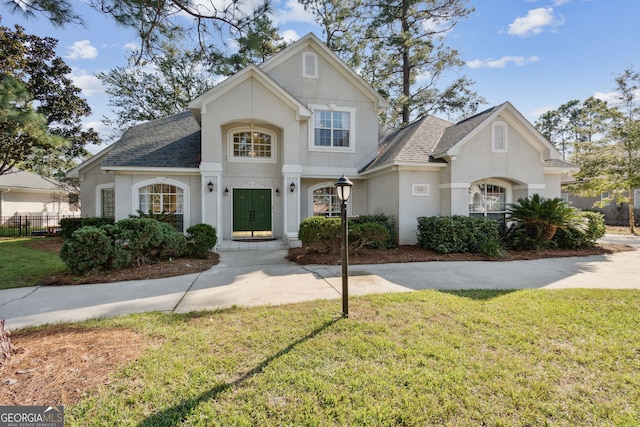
[(264, 277)]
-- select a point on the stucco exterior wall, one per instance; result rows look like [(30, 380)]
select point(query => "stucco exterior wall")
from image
[(34, 202)]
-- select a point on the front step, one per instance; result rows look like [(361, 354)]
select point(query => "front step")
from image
[(250, 245)]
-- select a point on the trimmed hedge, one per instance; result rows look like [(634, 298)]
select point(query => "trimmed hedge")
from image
[(320, 230), (371, 235), (386, 221), (367, 231), (456, 234)]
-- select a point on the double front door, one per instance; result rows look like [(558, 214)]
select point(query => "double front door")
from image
[(251, 213)]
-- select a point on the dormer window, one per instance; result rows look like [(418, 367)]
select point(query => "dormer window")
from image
[(499, 137), (309, 65)]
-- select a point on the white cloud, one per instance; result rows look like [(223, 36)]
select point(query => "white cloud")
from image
[(535, 22), (610, 97), (292, 11), (88, 83), (82, 50), (502, 62), (132, 46), (290, 36)]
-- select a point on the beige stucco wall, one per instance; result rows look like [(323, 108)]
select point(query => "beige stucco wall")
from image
[(33, 202)]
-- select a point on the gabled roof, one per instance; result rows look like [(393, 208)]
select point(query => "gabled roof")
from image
[(414, 143), (17, 179), (430, 140), (251, 71), (458, 132), (169, 142), (312, 40)]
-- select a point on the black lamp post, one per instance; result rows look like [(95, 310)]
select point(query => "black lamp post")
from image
[(343, 186)]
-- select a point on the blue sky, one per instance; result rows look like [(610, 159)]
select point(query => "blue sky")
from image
[(537, 54)]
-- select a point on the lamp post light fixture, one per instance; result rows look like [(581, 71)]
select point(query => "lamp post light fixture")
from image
[(292, 186), (210, 186), (343, 187)]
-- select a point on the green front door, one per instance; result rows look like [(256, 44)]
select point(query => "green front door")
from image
[(251, 212)]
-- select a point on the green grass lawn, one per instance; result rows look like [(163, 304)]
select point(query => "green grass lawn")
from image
[(472, 358), (22, 266)]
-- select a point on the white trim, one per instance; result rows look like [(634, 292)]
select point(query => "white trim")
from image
[(305, 70), (155, 170), (240, 159), (315, 187), (504, 147), (352, 128), (186, 192), (328, 172), (530, 187), (455, 185), (99, 188)]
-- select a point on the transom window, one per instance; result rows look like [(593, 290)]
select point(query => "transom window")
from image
[(326, 202), (488, 200), (252, 144)]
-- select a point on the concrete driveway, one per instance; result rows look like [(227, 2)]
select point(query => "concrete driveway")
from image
[(265, 277)]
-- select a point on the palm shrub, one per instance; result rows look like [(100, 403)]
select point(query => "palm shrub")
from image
[(536, 219)]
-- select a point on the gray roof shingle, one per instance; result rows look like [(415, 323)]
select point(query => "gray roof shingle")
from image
[(414, 143), (18, 179), (169, 142)]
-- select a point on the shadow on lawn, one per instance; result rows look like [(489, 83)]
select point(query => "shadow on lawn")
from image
[(481, 294), (176, 414)]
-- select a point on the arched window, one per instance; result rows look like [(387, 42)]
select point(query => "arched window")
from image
[(326, 202), (248, 144), (162, 198), (488, 200)]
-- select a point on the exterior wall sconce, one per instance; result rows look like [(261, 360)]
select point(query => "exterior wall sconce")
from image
[(292, 186), (277, 191), (343, 187), (226, 191), (210, 186)]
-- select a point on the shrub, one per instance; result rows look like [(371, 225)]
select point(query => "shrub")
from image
[(147, 239), (69, 225), (167, 217), (320, 231), (456, 234), (201, 238), (88, 249), (371, 235), (576, 238), (382, 219)]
